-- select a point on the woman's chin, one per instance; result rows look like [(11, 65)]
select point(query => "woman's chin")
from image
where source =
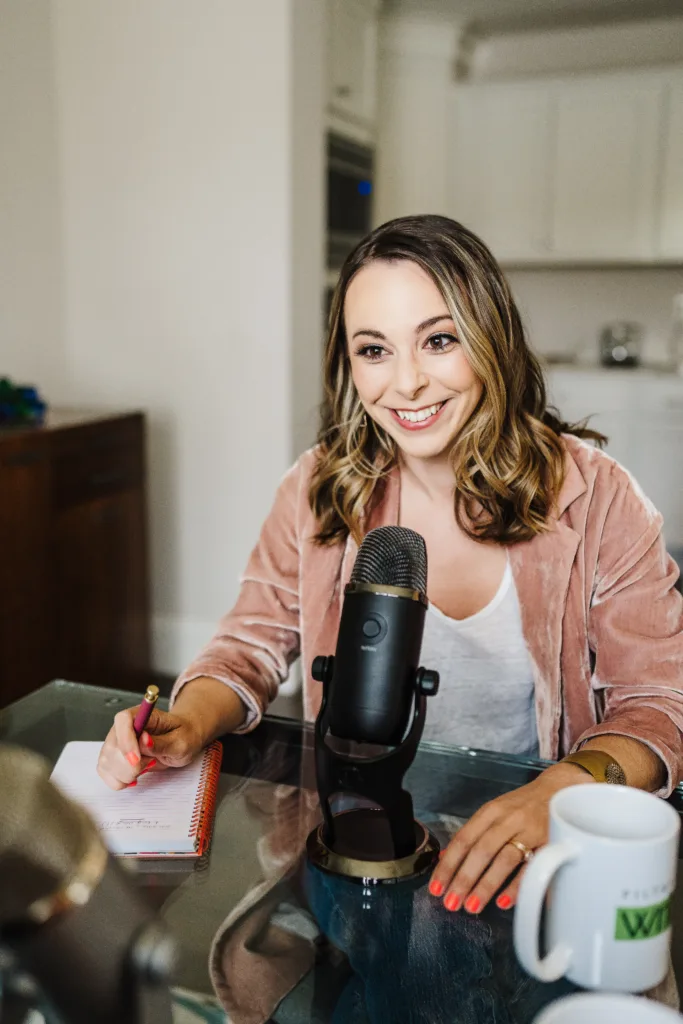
[(429, 445)]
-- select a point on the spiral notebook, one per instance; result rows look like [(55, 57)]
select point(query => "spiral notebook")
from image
[(168, 814)]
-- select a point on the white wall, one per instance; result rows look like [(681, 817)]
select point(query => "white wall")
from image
[(184, 195), (415, 71), (308, 85), (564, 310), (31, 339)]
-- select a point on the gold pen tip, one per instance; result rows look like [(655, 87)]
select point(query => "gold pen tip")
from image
[(151, 694)]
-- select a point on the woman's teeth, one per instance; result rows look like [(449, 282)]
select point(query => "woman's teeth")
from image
[(420, 414)]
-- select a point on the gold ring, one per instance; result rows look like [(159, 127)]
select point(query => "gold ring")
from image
[(525, 851)]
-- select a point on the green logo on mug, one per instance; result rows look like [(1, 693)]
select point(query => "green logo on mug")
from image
[(642, 922)]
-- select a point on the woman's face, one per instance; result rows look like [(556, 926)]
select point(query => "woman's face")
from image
[(409, 369)]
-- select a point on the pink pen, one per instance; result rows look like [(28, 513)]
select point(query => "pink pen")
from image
[(145, 709)]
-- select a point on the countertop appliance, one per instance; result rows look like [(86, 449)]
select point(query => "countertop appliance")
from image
[(621, 344)]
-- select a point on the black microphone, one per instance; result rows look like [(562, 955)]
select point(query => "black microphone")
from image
[(380, 636), (374, 692), (69, 917)]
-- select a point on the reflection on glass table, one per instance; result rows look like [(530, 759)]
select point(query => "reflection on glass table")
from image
[(284, 942)]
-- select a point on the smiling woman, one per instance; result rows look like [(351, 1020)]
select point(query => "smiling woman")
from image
[(427, 356), (553, 618)]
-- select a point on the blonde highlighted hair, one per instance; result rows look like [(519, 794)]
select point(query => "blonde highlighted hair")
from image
[(508, 460)]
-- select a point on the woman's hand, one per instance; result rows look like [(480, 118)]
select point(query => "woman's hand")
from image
[(480, 859), (169, 741)]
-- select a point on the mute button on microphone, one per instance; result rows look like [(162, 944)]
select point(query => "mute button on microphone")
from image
[(373, 627)]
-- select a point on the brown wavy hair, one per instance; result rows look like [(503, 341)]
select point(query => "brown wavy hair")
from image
[(508, 461)]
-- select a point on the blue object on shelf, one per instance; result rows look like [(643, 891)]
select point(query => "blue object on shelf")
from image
[(20, 404)]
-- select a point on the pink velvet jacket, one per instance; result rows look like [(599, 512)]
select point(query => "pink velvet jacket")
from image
[(602, 621)]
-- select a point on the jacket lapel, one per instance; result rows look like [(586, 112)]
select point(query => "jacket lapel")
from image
[(541, 569)]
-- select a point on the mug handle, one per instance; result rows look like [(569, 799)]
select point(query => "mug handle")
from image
[(527, 920)]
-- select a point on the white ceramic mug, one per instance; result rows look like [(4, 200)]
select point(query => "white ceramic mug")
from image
[(609, 871), (604, 1008)]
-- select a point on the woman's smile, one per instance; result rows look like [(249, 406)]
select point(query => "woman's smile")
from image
[(418, 419)]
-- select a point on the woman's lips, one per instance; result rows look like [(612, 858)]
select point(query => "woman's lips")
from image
[(421, 424)]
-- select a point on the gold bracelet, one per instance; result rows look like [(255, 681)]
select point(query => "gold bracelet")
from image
[(600, 765)]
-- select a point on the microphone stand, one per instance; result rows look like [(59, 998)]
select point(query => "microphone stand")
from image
[(379, 778)]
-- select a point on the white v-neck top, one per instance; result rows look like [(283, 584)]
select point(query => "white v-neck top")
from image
[(486, 691)]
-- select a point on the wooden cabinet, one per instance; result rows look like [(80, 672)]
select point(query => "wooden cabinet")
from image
[(580, 170), (74, 582), (352, 63), (26, 598)]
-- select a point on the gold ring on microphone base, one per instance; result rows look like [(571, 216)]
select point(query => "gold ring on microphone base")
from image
[(526, 852), (424, 858), (77, 890)]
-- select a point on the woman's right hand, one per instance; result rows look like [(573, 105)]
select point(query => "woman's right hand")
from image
[(169, 741)]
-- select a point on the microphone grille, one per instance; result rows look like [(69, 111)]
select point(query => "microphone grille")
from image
[(393, 556)]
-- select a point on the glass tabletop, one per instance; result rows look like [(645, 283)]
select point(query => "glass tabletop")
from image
[(279, 939)]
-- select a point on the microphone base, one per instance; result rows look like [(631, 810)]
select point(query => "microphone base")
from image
[(363, 848)]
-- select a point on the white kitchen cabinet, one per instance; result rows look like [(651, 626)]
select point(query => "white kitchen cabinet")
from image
[(670, 223), (587, 169), (641, 412), (352, 62), (502, 149), (606, 162)]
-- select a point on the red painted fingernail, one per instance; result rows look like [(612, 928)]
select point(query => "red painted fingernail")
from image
[(452, 902), (132, 758), (436, 888), (150, 765), (149, 742), (472, 904), (132, 784), (503, 901)]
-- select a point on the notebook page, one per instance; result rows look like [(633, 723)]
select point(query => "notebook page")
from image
[(153, 817)]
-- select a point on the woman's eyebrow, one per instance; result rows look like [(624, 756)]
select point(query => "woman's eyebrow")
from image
[(432, 321), (370, 333)]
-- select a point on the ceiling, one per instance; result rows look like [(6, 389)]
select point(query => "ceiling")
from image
[(518, 15)]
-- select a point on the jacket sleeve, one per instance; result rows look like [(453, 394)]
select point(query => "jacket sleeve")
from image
[(635, 630), (257, 641)]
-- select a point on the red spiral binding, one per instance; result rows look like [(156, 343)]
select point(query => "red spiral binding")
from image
[(204, 810)]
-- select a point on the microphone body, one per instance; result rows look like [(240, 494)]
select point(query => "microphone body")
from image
[(68, 914), (377, 657), (374, 692)]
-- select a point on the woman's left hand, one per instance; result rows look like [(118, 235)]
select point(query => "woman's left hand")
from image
[(480, 858)]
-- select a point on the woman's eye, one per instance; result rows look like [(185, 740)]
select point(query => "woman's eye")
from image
[(371, 352), (441, 342)]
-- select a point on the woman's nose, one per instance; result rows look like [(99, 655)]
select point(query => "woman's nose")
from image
[(410, 379)]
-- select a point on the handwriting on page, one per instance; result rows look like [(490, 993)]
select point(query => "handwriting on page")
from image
[(159, 802), (158, 810)]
